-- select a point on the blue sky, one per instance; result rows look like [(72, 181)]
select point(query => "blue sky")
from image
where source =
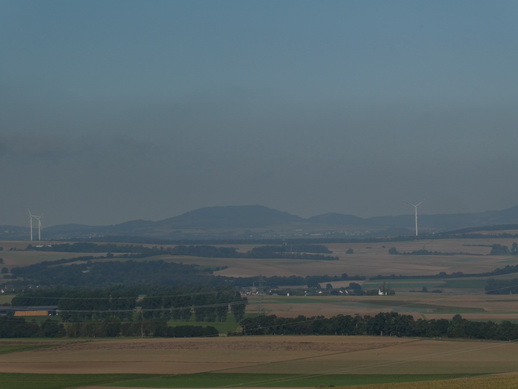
[(121, 110)]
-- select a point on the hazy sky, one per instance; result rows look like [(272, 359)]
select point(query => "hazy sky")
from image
[(119, 110)]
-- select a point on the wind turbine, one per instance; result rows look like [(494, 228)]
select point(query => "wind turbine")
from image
[(38, 219), (415, 214)]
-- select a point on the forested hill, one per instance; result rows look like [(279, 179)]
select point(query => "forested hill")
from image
[(247, 216)]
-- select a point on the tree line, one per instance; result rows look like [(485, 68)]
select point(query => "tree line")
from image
[(394, 251), (382, 324), (290, 251), (502, 286)]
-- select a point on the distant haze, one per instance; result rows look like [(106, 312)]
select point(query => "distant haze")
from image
[(120, 110)]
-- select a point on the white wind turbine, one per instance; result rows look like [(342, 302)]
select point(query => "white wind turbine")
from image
[(415, 214), (38, 219)]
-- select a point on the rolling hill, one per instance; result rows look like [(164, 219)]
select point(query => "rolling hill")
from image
[(259, 222)]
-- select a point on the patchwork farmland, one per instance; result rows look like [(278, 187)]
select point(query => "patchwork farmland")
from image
[(299, 361)]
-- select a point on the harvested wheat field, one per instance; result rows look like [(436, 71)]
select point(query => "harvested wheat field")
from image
[(185, 356), (304, 356)]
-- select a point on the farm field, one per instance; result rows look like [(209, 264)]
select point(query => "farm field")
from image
[(477, 306), (26, 258), (372, 259), (278, 361), (367, 259), (465, 296)]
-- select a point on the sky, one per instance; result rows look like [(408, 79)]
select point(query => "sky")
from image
[(117, 110)]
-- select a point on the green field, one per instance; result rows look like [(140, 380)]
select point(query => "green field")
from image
[(8, 348), (223, 327), (61, 381), (6, 298), (207, 380), (423, 307), (431, 283), (429, 303), (484, 382), (407, 285), (466, 283)]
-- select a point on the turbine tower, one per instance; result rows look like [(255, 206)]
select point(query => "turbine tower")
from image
[(30, 221), (38, 219), (415, 214)]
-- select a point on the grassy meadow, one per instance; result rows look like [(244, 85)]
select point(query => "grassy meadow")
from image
[(208, 380)]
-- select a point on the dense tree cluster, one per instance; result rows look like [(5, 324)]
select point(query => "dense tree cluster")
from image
[(113, 327), (502, 286), (300, 251), (382, 324), (394, 251), (99, 272), (204, 251), (206, 304), (149, 303), (291, 252), (16, 327), (295, 251), (499, 249)]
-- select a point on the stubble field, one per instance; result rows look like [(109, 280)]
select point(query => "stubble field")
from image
[(278, 361)]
